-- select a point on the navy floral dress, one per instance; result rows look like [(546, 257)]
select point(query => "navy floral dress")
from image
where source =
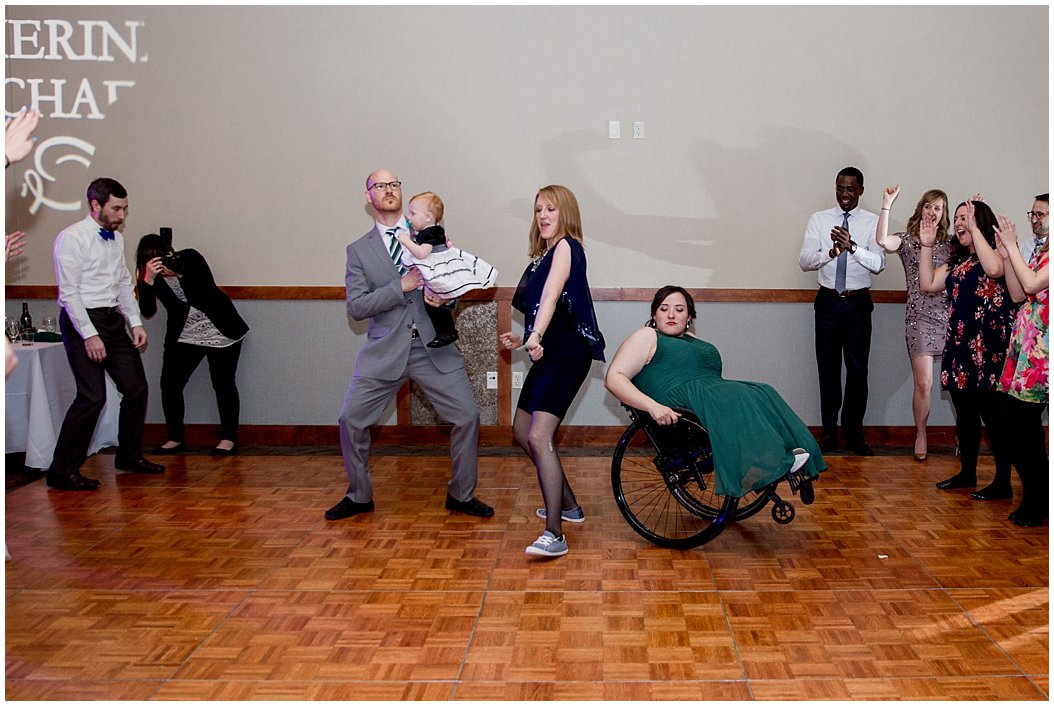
[(980, 320)]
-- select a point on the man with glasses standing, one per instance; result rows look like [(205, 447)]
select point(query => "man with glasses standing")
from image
[(381, 290), (840, 244)]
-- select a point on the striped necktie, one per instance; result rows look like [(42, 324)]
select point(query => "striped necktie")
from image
[(843, 261), (396, 250)]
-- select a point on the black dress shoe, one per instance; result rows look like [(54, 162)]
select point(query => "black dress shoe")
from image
[(472, 506), (232, 451), (162, 451), (828, 443), (860, 448), (348, 507), (140, 465), (959, 480), (993, 492), (71, 481), (1029, 519)]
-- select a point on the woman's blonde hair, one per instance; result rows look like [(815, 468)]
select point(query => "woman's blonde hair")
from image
[(916, 218), (570, 222)]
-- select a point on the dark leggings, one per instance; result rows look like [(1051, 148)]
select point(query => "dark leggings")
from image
[(179, 363), (971, 408), (1028, 450)]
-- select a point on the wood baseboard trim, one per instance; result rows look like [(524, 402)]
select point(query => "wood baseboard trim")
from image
[(404, 435)]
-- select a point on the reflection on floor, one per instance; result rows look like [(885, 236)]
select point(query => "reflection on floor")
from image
[(221, 580)]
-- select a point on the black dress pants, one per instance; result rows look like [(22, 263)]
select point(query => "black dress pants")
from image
[(179, 363), (125, 366), (843, 333)]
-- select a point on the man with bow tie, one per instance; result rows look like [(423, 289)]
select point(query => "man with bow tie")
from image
[(97, 302)]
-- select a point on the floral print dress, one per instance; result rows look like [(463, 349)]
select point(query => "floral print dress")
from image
[(1025, 373), (980, 319)]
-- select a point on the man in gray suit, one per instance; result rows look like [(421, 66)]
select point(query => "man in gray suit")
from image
[(379, 290)]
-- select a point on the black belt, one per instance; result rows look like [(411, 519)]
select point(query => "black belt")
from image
[(847, 293), (103, 310)]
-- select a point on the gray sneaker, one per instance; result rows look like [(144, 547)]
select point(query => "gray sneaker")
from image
[(573, 515), (548, 545)]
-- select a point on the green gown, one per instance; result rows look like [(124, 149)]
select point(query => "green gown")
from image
[(752, 430)]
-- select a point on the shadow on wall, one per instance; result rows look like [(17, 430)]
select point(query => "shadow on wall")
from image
[(749, 187)]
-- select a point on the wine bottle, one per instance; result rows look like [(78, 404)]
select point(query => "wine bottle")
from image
[(25, 322)]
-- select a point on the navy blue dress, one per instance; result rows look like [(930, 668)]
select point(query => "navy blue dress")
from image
[(572, 341)]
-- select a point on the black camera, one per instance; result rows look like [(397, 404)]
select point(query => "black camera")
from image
[(170, 258)]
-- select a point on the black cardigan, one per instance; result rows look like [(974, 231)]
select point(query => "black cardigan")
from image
[(201, 292)]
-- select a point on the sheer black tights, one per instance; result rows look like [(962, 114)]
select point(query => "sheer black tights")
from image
[(534, 433)]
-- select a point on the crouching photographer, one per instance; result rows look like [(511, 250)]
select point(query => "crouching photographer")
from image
[(202, 323)]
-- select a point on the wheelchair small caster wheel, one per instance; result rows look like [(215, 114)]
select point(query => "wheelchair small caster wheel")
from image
[(807, 492), (783, 513)]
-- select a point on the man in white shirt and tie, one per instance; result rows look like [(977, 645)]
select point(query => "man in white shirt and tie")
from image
[(840, 244), (389, 296), (97, 301)]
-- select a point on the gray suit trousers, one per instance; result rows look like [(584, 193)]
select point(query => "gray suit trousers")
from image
[(451, 396)]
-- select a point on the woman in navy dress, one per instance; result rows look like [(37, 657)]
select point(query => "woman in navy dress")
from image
[(553, 295)]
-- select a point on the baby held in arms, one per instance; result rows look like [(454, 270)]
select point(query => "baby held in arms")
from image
[(448, 272)]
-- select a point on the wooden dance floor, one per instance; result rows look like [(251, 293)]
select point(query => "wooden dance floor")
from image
[(221, 580)]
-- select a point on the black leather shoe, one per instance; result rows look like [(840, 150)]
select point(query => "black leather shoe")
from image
[(828, 443), (860, 448), (232, 451), (472, 506), (993, 492), (162, 451), (1029, 520), (71, 481), (140, 465), (958, 481), (443, 340), (347, 508)]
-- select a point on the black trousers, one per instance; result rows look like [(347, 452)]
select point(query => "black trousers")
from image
[(125, 366), (843, 333), (1027, 442), (971, 408), (179, 362)]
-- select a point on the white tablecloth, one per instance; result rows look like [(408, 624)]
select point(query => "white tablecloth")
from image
[(39, 392)]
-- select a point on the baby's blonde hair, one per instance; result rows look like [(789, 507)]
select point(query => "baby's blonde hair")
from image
[(433, 203)]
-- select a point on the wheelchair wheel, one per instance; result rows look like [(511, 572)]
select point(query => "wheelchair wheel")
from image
[(663, 481), (753, 502)]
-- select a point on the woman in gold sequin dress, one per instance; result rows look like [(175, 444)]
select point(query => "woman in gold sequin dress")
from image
[(926, 314)]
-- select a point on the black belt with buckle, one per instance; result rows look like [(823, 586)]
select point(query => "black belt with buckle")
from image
[(847, 293)]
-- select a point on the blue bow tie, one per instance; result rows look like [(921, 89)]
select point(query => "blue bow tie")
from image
[(106, 234)]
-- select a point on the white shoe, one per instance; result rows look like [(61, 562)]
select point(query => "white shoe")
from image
[(800, 457)]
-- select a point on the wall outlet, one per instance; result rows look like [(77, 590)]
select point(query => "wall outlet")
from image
[(517, 381), (492, 380), (638, 130)]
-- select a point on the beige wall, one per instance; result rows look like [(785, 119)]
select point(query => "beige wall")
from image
[(250, 130)]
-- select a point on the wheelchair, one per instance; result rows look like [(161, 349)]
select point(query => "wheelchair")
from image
[(664, 484)]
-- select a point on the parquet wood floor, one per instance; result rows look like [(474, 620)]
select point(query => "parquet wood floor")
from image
[(221, 580)]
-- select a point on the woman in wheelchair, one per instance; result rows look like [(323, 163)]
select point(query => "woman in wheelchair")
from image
[(756, 438)]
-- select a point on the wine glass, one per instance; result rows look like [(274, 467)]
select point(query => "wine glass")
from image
[(48, 324), (10, 328)]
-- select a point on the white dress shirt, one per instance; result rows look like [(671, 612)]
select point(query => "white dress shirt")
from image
[(869, 258), (91, 273)]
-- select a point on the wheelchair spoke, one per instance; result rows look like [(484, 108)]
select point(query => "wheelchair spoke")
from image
[(663, 484)]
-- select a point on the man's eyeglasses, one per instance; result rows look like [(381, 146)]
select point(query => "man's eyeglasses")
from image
[(385, 185), (1036, 215)]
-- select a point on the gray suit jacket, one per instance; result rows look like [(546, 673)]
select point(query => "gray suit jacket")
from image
[(374, 292)]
